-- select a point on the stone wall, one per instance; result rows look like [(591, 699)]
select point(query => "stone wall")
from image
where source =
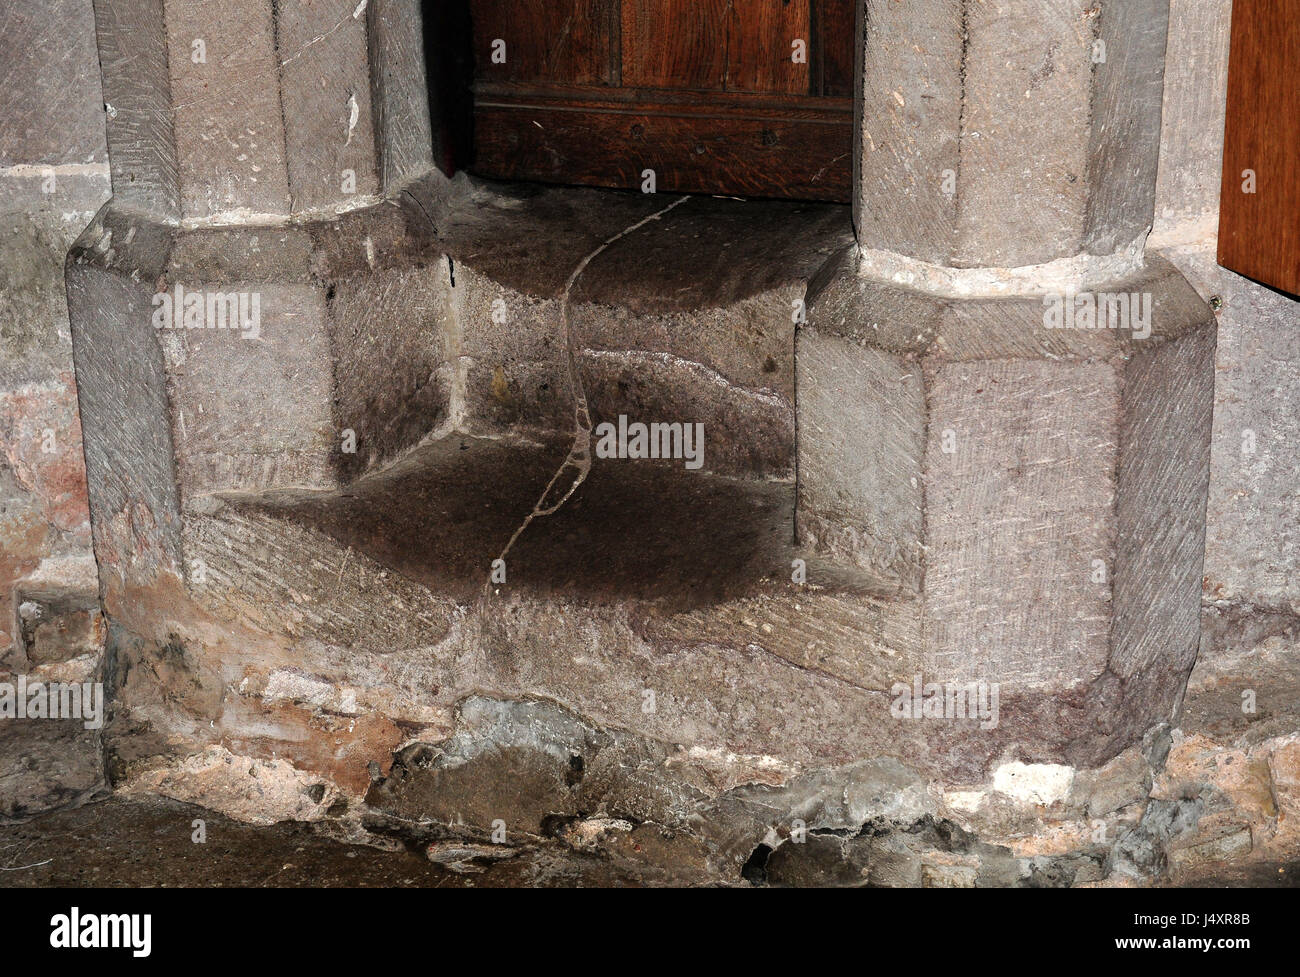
[(1242, 711), (1253, 539), (53, 177)]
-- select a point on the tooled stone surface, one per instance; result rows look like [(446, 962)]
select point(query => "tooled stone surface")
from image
[(1011, 461), (246, 108), (53, 176), (1003, 135), (480, 353)]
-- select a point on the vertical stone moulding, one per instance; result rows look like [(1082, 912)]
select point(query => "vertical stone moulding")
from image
[(240, 130)]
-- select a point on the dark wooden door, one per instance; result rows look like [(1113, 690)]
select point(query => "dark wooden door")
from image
[(740, 97), (1259, 214)]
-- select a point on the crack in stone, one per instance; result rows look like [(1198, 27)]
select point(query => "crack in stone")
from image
[(579, 457), (355, 15)]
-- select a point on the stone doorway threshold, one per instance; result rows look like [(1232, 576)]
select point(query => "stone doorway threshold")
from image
[(638, 530), (688, 318)]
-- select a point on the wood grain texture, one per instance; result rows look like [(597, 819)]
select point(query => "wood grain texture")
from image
[(760, 36), (715, 148), (675, 44), (833, 24), (752, 120), (565, 41), (1259, 233)]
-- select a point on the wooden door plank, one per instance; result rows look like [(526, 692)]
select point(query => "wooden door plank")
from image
[(722, 104), (760, 39), (1259, 232), (674, 44), (834, 23), (561, 41), (694, 148), (704, 92)]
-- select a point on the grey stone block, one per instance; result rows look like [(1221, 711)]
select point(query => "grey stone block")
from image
[(298, 374), (399, 91), (138, 100), (50, 82), (36, 230), (226, 109), (324, 64), (255, 109), (1252, 542), (122, 395), (657, 336), (1195, 103), (241, 392), (1040, 491), (1008, 134), (861, 496)]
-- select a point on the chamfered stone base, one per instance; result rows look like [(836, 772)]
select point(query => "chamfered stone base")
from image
[(1034, 487)]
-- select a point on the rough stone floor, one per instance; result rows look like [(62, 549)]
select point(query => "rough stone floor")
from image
[(148, 842)]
